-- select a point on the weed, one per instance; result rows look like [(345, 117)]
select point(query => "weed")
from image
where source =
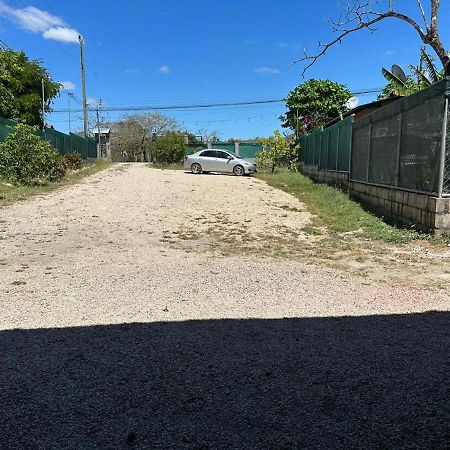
[(338, 212)]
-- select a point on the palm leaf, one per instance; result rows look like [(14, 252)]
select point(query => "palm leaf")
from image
[(423, 79), (431, 68), (392, 78)]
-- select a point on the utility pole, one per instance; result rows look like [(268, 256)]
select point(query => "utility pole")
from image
[(99, 148), (69, 95), (83, 86), (43, 105)]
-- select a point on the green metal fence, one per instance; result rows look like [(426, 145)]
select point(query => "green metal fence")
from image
[(246, 149), (329, 149), (6, 126), (224, 146), (249, 149), (63, 143)]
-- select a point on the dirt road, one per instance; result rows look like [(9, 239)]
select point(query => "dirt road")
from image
[(141, 309)]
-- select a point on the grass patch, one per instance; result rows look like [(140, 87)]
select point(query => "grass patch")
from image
[(166, 166), (11, 193), (335, 210)]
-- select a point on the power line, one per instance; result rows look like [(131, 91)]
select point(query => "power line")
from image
[(204, 105), (181, 107)]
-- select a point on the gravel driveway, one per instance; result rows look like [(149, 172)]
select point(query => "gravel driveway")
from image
[(126, 323)]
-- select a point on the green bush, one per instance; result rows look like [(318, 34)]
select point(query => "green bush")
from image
[(169, 149), (277, 151), (27, 159), (73, 161)]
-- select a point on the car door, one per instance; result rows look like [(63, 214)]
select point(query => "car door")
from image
[(207, 160), (223, 162)]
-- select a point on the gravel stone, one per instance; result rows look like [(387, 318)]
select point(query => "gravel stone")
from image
[(119, 338)]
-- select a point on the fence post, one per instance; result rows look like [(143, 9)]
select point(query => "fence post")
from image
[(350, 153), (399, 147), (443, 147), (237, 148), (338, 134), (369, 150)]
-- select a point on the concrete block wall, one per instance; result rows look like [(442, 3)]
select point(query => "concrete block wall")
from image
[(338, 179), (424, 212)]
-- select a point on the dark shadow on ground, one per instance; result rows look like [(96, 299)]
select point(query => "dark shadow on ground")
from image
[(379, 382)]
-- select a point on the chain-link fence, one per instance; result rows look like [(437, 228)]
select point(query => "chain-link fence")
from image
[(400, 145), (329, 149)]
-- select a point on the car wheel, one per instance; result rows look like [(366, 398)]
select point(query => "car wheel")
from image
[(196, 168), (239, 171)]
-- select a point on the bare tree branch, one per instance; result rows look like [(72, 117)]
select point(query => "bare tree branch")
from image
[(360, 15), (425, 20)]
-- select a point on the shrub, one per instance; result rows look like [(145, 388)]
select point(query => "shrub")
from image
[(73, 161), (27, 159), (169, 149), (277, 151)]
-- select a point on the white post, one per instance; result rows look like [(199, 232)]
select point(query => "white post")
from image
[(236, 148)]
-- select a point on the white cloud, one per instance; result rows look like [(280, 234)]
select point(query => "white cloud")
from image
[(39, 21), (92, 102), (68, 85), (389, 52), (282, 44), (62, 34), (131, 71), (164, 69), (267, 70)]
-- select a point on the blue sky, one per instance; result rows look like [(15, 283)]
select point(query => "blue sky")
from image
[(142, 53)]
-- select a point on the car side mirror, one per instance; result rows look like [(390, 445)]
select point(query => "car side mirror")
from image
[(230, 157)]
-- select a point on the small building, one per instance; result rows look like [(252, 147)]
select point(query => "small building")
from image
[(102, 137)]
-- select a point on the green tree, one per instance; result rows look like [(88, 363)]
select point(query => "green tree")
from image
[(137, 134), (314, 103), (27, 159), (277, 151), (169, 148), (21, 88)]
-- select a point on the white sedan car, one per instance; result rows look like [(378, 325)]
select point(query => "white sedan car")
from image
[(216, 160)]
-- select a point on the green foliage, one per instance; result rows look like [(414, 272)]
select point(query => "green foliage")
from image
[(21, 88), (26, 159), (135, 136), (169, 149), (277, 151), (422, 76), (73, 161), (314, 103)]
